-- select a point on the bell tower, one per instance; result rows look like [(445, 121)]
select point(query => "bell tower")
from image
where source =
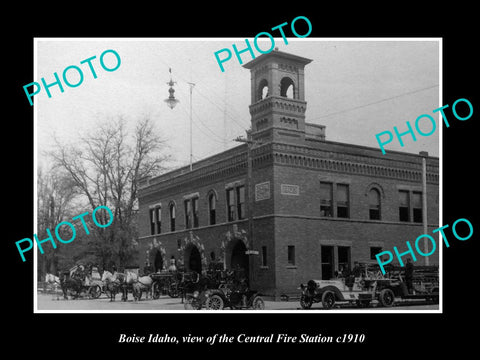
[(278, 97)]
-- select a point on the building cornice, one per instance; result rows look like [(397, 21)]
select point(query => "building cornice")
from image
[(322, 155)]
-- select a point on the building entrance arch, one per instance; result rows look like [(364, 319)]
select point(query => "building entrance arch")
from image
[(236, 259), (158, 261), (192, 259)]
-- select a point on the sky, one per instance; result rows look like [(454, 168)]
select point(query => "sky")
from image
[(356, 88)]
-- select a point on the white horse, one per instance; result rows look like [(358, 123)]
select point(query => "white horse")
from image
[(139, 284), (52, 279), (112, 283), (52, 282)]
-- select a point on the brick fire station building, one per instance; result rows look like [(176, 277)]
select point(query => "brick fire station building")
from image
[(316, 205)]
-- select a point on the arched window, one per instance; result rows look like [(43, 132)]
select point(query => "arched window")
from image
[(158, 216), (212, 204), (172, 211), (263, 89), (374, 204), (287, 88)]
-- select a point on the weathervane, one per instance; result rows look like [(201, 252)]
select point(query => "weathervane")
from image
[(171, 101)]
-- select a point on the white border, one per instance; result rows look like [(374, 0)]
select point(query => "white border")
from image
[(312, 311)]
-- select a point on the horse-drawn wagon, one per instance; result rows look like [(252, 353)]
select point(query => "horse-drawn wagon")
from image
[(167, 283), (78, 281)]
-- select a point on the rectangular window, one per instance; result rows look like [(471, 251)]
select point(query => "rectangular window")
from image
[(172, 217), (291, 255), (374, 213), (231, 205), (211, 209), (327, 262), (188, 214), (152, 221), (342, 201), (326, 208), (195, 212), (374, 250), (343, 258), (264, 256), (417, 207), (241, 202), (404, 208), (374, 204), (158, 214)]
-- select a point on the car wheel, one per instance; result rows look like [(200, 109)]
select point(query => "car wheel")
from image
[(386, 297), (214, 302), (328, 299), (192, 304), (258, 303), (306, 302)]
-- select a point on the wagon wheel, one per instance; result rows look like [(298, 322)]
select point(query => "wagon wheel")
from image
[(156, 290), (173, 290), (306, 302), (74, 293), (214, 302), (328, 299), (386, 297), (258, 303), (95, 291)]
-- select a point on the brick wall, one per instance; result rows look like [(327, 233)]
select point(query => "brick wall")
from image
[(287, 212)]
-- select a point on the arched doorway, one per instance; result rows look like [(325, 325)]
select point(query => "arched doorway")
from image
[(193, 259), (238, 258), (155, 259), (158, 261)]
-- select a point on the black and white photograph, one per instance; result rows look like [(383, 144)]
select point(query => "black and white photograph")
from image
[(274, 183), (240, 186)]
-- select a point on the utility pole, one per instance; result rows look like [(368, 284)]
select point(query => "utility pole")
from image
[(250, 198), (424, 155), (191, 146)]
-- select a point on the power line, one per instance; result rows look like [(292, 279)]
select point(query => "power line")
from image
[(239, 124), (376, 102), (218, 140), (242, 126)]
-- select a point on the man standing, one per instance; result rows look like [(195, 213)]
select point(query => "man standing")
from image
[(409, 275)]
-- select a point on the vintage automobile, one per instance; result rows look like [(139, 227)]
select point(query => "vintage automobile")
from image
[(328, 292), (425, 283), (370, 286), (195, 289), (234, 297)]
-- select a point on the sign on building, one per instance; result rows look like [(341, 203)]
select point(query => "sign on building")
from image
[(286, 189), (262, 191)]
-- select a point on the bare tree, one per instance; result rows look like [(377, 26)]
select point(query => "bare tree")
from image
[(105, 167), (55, 195)]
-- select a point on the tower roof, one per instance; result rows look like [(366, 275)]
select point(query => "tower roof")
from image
[(277, 54)]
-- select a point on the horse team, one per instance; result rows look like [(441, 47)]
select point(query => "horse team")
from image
[(77, 281), (124, 283)]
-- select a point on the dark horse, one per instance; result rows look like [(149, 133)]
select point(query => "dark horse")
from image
[(72, 284)]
